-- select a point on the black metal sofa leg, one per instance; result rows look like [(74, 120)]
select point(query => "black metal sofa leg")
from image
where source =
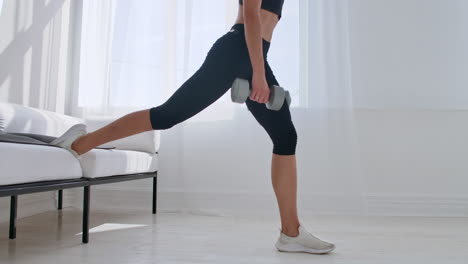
[(60, 199), (86, 196), (155, 179), (13, 215)]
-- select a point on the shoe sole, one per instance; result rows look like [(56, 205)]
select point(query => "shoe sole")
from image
[(299, 248)]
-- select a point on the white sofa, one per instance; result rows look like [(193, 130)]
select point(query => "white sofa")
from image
[(32, 166)]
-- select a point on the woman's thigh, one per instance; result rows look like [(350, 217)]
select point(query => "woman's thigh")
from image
[(265, 116), (204, 87), (278, 124)]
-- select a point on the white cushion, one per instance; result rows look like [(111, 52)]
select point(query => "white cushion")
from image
[(147, 141), (16, 118), (101, 162), (22, 163)]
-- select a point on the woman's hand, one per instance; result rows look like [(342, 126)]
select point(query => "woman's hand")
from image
[(260, 91)]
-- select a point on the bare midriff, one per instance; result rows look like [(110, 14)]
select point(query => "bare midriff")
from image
[(267, 19)]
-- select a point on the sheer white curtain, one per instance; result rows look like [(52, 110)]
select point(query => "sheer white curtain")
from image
[(97, 38), (135, 54), (329, 81), (330, 106)]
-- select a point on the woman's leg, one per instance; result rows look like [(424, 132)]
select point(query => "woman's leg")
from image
[(284, 180), (125, 126), (209, 83), (280, 128)]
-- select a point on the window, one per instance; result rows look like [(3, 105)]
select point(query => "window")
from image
[(155, 45)]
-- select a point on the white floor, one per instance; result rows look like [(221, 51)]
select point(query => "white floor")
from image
[(140, 237)]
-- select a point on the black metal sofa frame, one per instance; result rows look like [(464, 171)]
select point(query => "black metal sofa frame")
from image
[(16, 189)]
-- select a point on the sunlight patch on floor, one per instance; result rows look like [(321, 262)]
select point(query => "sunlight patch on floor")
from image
[(110, 227)]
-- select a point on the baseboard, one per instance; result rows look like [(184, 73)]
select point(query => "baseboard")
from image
[(245, 203), (241, 203), (417, 205)]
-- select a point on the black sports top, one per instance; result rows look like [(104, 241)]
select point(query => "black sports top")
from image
[(275, 6)]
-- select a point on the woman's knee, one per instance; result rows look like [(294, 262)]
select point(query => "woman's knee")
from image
[(162, 118), (285, 141)]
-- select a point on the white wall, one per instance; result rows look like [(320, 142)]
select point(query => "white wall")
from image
[(409, 53), (35, 52), (408, 60)]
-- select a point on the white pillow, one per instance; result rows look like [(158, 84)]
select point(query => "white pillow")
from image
[(16, 118)]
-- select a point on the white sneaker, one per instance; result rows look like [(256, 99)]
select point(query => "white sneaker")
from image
[(66, 140), (304, 242)]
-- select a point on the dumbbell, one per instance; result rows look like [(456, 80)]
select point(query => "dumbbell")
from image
[(240, 91)]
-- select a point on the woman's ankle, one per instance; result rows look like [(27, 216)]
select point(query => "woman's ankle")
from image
[(77, 145), (291, 230)]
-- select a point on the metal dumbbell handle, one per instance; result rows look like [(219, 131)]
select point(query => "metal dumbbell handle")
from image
[(240, 91)]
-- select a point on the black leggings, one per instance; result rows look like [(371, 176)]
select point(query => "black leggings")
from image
[(227, 59)]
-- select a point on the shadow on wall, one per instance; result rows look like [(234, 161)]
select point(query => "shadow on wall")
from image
[(29, 58)]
